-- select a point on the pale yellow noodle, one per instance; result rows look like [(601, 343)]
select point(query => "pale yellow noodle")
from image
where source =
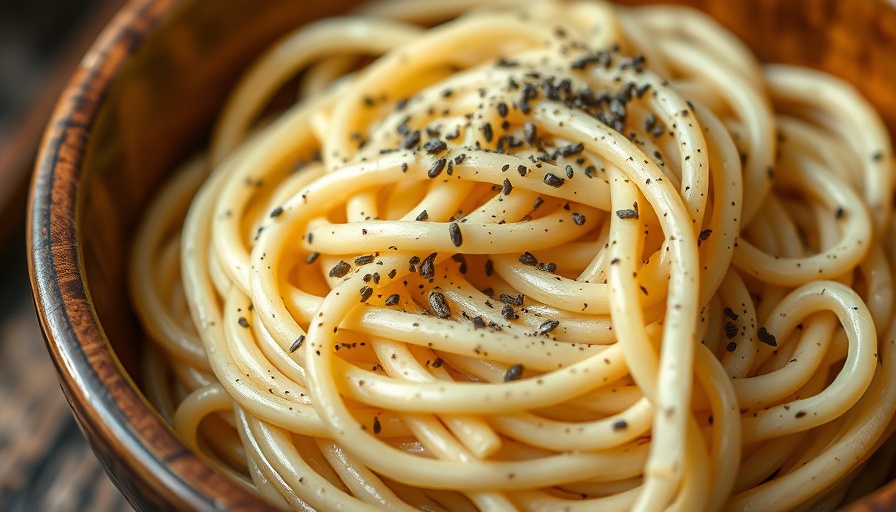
[(535, 256)]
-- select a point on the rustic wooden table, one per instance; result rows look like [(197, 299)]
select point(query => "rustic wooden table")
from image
[(45, 462)]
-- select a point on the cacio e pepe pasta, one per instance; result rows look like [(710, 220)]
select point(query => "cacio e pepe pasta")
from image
[(528, 256)]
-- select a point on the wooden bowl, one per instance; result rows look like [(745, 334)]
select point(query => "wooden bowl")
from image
[(145, 96)]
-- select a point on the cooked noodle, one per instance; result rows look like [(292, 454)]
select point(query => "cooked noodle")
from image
[(555, 256)]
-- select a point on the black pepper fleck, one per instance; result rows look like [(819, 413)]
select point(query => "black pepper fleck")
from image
[(547, 327), (507, 188), (513, 300), (766, 337), (502, 109), (340, 269), (487, 133), (436, 168), (730, 330), (435, 146), (704, 235), (572, 149), (296, 344), (508, 313), (411, 140), (439, 305), (553, 180), (528, 258), (454, 232), (427, 268), (513, 373), (627, 214)]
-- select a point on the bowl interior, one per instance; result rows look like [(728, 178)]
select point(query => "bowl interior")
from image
[(160, 105)]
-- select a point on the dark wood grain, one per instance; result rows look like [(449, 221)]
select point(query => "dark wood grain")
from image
[(34, 68), (45, 462)]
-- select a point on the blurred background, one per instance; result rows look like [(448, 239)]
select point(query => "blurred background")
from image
[(45, 463)]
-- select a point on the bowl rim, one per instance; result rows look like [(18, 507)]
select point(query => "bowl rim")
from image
[(128, 437)]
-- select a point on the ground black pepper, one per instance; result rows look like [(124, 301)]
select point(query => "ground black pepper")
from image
[(436, 168), (455, 234), (507, 188), (508, 312), (427, 268), (439, 305), (296, 344), (766, 337), (528, 259), (513, 300), (553, 180), (435, 146), (340, 269), (487, 133), (548, 326), (411, 140), (513, 373), (730, 330)]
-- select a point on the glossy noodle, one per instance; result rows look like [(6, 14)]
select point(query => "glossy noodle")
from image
[(528, 256)]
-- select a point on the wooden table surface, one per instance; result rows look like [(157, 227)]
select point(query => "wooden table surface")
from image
[(45, 462)]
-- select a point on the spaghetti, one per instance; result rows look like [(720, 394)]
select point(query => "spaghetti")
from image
[(554, 256)]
